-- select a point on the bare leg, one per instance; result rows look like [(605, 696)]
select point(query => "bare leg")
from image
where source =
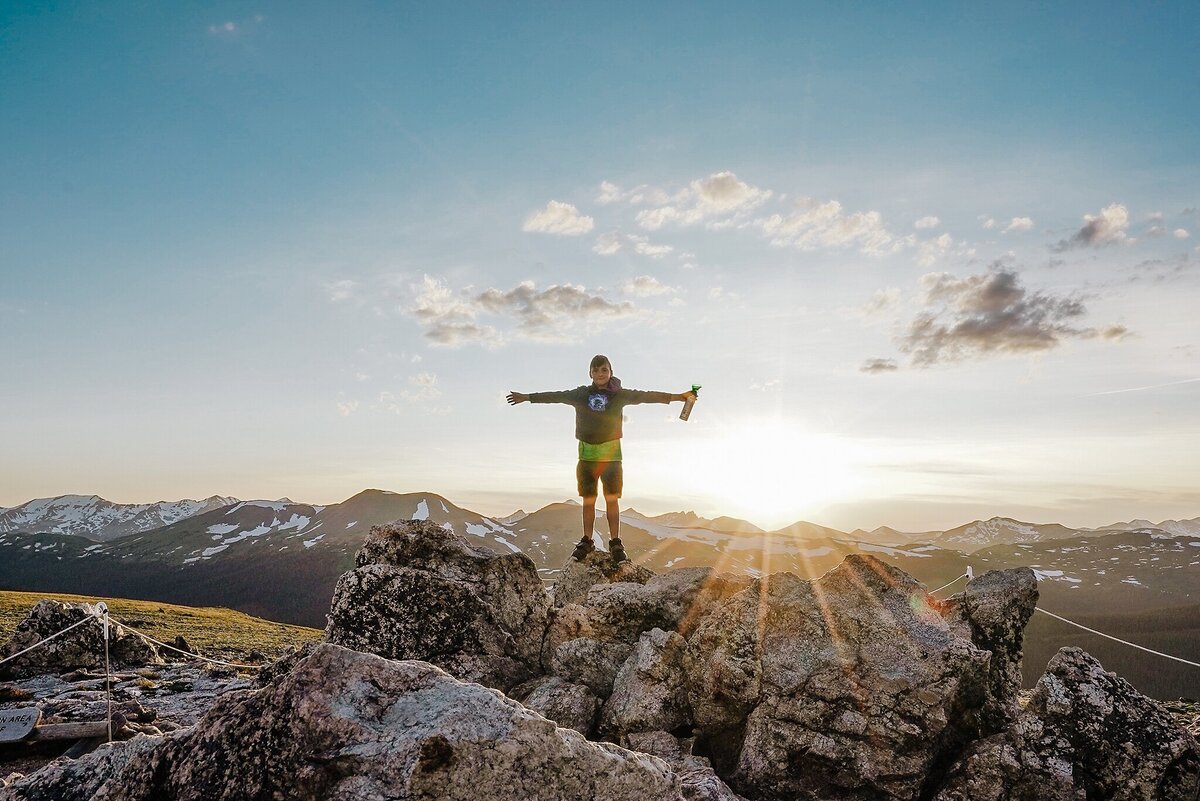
[(612, 506), (589, 516)]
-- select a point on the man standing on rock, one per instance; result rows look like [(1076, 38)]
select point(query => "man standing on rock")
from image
[(598, 409)]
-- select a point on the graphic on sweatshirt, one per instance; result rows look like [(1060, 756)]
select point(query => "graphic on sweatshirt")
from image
[(598, 402)]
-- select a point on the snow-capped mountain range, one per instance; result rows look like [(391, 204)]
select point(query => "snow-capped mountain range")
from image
[(96, 519)]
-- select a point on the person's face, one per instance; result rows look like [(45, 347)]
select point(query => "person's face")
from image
[(601, 374)]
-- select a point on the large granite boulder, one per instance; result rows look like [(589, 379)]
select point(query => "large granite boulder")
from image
[(848, 686), (993, 610), (348, 725), (650, 691), (419, 591), (81, 647), (1086, 734), (577, 577), (571, 706)]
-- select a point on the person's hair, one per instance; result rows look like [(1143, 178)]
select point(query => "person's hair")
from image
[(598, 360)]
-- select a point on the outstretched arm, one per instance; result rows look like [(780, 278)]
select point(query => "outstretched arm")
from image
[(636, 396), (565, 396)]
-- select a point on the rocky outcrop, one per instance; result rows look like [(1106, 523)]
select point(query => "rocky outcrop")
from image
[(858, 685), (418, 591), (843, 687), (650, 691), (81, 647), (345, 724), (1086, 733), (993, 611)]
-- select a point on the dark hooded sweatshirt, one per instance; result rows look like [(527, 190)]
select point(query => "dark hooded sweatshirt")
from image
[(597, 410)]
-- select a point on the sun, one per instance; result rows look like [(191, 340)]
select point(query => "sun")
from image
[(774, 471)]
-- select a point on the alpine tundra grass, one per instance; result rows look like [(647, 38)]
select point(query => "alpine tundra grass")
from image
[(212, 631)]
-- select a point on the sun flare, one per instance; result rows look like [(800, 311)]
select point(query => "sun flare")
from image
[(774, 471)]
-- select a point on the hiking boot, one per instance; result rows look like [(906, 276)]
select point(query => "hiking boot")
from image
[(582, 549), (617, 549)]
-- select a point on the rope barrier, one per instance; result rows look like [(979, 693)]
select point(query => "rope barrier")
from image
[(185, 653), (970, 574), (1117, 639), (947, 584), (102, 616)]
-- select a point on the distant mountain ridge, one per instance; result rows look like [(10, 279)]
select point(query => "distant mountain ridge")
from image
[(97, 519), (280, 560)]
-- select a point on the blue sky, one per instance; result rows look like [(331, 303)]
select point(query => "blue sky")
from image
[(930, 263)]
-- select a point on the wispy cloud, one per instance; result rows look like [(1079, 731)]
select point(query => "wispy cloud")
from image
[(1013, 225), (341, 290), (645, 286), (1141, 389), (1161, 270), (926, 223), (231, 28), (718, 200), (558, 313), (880, 303), (559, 218), (879, 366), (814, 224), (422, 393), (991, 313), (614, 242), (1109, 227), (638, 196)]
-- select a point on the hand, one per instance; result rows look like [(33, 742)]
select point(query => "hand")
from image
[(687, 396), (516, 397)]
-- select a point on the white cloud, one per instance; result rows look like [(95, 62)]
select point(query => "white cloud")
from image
[(716, 200), (1019, 224), (929, 251), (639, 195), (1106, 228), (1181, 233), (609, 244), (816, 225), (422, 387), (232, 29), (988, 222), (614, 242), (347, 408), (766, 386), (927, 222), (558, 218), (558, 313), (361, 377), (341, 290), (645, 286), (882, 301)]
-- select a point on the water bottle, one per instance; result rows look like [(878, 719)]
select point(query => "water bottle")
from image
[(689, 403)]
